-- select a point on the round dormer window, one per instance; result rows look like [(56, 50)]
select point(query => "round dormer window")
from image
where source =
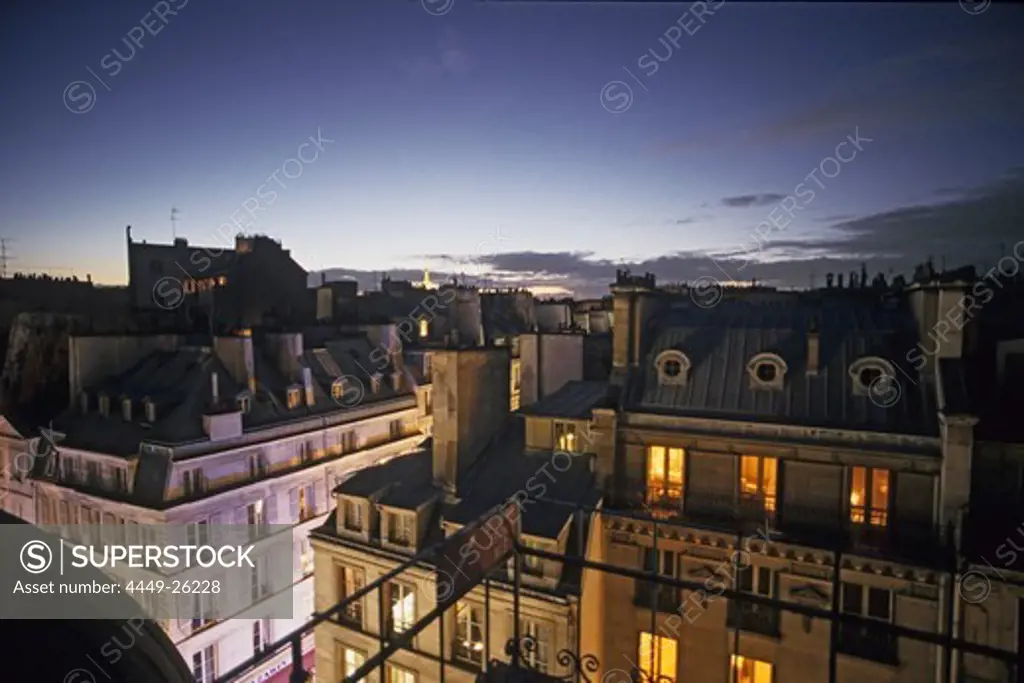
[(869, 376), (867, 372), (672, 367), (766, 372)]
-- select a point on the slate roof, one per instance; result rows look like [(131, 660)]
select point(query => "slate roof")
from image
[(503, 469), (574, 400), (720, 341), (179, 383)]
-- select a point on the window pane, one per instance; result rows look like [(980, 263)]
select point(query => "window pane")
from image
[(770, 478), (675, 469), (764, 581), (748, 474), (879, 496), (656, 466), (879, 603), (858, 494), (853, 598)]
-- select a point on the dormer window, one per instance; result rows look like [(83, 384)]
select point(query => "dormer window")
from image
[(104, 405), (867, 372), (150, 410), (126, 409), (293, 398), (673, 367), (401, 528), (244, 403), (338, 389), (767, 371), (375, 379)]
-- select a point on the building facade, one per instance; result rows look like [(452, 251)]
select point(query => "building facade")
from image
[(172, 431)]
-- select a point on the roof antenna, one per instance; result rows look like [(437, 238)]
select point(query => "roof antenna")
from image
[(174, 223)]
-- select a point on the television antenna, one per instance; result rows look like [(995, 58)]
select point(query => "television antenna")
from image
[(5, 257), (174, 223)]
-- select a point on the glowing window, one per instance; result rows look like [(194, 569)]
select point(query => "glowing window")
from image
[(657, 656), (869, 496), (565, 437), (665, 474), (759, 479), (749, 670), (424, 327)]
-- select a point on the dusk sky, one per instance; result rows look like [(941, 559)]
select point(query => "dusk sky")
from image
[(452, 121)]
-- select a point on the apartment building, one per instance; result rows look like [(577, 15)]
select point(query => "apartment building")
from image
[(799, 413), (233, 430), (479, 456)]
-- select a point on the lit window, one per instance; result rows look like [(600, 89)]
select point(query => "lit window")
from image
[(537, 642), (338, 389), (469, 632), (531, 563), (749, 670), (759, 479), (869, 496), (565, 437), (397, 674), (350, 581), (424, 327), (665, 470), (657, 656), (353, 659), (402, 612), (293, 398)]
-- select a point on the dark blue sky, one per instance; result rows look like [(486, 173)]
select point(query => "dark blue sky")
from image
[(495, 115)]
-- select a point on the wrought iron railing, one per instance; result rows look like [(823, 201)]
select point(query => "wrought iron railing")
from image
[(851, 634)]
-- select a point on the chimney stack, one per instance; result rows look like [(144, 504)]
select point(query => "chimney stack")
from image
[(471, 390), (813, 349)]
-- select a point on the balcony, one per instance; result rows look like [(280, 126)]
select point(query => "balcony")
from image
[(754, 618), (817, 526), (867, 639), (868, 642)]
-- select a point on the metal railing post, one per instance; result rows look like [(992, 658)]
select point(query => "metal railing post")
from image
[(299, 673), (833, 641), (381, 630), (518, 582)]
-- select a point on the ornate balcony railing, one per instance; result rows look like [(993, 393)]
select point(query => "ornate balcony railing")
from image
[(817, 526), (853, 634)]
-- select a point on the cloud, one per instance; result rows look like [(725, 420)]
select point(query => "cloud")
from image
[(975, 225), (748, 200)]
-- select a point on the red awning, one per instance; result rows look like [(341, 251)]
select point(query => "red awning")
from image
[(281, 676)]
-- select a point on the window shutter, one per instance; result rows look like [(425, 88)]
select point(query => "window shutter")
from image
[(270, 509), (293, 503), (319, 495)]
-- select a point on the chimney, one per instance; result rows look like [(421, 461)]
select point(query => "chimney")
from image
[(237, 356), (829, 279), (840, 283), (307, 385), (813, 349), (470, 397), (631, 305)]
